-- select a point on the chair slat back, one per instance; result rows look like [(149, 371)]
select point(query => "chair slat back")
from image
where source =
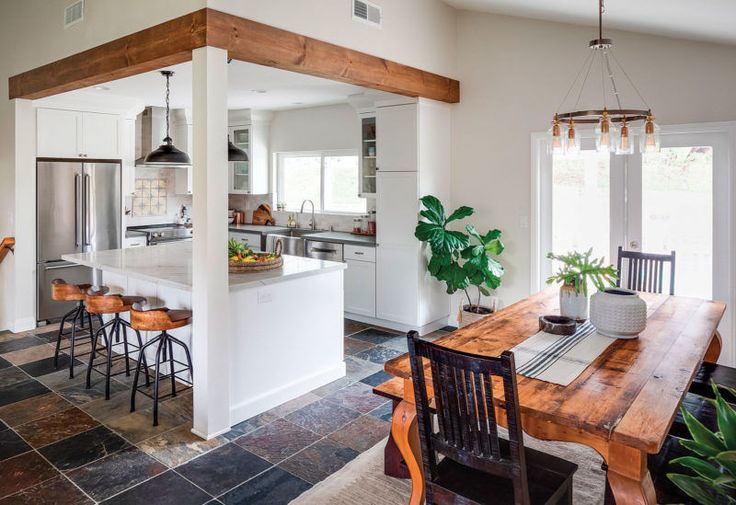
[(645, 271), (466, 412)]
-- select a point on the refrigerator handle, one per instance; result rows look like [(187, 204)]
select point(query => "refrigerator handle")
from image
[(77, 209), (86, 210)]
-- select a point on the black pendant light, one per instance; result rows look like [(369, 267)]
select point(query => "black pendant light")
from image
[(166, 153), (234, 153)]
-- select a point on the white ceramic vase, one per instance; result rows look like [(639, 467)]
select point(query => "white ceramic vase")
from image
[(618, 313), (573, 304)]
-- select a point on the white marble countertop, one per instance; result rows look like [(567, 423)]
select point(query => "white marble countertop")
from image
[(171, 265)]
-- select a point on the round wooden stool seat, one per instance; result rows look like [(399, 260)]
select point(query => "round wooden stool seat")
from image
[(63, 292), (99, 302), (159, 319)]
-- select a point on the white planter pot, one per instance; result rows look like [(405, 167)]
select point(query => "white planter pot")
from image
[(573, 304), (618, 313), (465, 318)]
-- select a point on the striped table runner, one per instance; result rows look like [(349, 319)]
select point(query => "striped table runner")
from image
[(559, 358)]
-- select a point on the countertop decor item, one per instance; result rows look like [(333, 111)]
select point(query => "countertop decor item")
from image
[(456, 261), (557, 325), (242, 260), (262, 215), (577, 270), (618, 313), (608, 138)]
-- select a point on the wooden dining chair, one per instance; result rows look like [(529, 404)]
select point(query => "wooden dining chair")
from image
[(479, 466), (645, 271)]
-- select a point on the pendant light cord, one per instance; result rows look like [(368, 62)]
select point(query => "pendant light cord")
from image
[(167, 105)]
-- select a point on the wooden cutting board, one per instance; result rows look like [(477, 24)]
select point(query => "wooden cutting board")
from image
[(262, 215)]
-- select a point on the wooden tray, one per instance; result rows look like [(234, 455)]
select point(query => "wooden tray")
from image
[(244, 268)]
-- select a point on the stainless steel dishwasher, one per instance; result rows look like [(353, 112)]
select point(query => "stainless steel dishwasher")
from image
[(324, 250)]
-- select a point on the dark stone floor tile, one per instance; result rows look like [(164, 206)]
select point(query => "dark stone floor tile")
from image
[(116, 407), (60, 379), (176, 447), (383, 412), (287, 408), (362, 434), (49, 335), (431, 337), (33, 408), (278, 440), (21, 391), (333, 386), (78, 393), (56, 491), (358, 397), (352, 326), (24, 471), (20, 343), (4, 363), (223, 468), (353, 346), (274, 487), (11, 444), (137, 426), (322, 417), (378, 354), (55, 427), (319, 460), (11, 375), (84, 448), (249, 425), (357, 369), (169, 488), (398, 343), (377, 378), (46, 365), (110, 475), (374, 335)]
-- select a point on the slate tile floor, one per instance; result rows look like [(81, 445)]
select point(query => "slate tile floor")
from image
[(63, 444)]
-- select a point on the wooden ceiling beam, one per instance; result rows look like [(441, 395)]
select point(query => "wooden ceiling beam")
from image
[(172, 42)]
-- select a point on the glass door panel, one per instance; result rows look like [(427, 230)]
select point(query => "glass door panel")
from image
[(368, 156), (241, 169)]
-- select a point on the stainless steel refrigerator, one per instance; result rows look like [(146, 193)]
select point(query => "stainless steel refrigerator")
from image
[(78, 208)]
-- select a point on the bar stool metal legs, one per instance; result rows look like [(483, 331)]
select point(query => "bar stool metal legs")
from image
[(76, 317)]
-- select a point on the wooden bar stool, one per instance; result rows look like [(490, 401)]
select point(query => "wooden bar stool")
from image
[(98, 302), (63, 292), (161, 319)]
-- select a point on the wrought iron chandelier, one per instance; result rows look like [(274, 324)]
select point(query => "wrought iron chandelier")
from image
[(613, 131)]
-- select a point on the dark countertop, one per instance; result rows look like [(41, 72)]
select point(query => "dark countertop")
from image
[(256, 228), (342, 237)]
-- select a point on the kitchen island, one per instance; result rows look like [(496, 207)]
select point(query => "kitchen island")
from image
[(286, 325)]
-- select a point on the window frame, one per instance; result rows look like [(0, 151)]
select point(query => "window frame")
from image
[(322, 154)]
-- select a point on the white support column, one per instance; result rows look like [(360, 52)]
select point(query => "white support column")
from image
[(24, 261), (210, 294)]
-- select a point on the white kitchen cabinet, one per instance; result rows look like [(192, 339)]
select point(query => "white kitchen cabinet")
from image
[(250, 131), (75, 134), (252, 240), (135, 242), (240, 176), (397, 283), (360, 288), (396, 135), (397, 208)]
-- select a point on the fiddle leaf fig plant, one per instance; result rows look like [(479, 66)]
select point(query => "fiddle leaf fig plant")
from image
[(455, 260), (712, 480)]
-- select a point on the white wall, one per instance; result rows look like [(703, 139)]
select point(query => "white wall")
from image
[(315, 129), (513, 74)]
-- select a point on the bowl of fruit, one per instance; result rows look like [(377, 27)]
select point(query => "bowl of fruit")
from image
[(242, 259)]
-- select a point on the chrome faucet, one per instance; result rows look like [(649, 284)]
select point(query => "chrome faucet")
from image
[(312, 224)]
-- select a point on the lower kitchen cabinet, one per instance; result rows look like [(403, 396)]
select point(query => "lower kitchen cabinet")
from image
[(397, 283), (360, 288), (252, 240)]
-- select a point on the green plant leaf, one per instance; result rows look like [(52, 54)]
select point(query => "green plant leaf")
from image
[(494, 246), (727, 459), (699, 466), (700, 433), (726, 416), (434, 208), (460, 213), (695, 487), (699, 449)]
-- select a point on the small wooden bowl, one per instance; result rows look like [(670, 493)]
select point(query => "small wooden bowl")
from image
[(557, 325)]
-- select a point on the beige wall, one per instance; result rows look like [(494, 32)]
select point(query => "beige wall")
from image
[(513, 74)]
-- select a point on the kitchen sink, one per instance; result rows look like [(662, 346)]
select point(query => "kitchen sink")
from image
[(292, 239)]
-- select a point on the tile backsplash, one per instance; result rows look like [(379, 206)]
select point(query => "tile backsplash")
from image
[(150, 197), (155, 200)]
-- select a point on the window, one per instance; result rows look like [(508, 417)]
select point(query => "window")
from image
[(329, 179)]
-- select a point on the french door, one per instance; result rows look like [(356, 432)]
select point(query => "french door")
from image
[(678, 199)]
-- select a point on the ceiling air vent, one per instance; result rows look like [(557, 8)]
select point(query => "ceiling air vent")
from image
[(74, 13), (367, 12)]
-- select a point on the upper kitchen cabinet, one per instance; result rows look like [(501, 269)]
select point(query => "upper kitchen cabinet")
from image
[(249, 130), (396, 134), (368, 155), (75, 134)]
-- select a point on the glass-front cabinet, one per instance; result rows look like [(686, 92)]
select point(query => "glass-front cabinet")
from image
[(240, 171), (368, 155)]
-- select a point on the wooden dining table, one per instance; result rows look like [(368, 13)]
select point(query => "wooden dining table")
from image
[(622, 405)]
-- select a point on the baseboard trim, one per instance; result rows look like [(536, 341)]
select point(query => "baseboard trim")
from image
[(275, 397), (404, 328), (211, 436)]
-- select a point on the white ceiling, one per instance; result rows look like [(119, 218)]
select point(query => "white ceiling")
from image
[(708, 20), (246, 83)]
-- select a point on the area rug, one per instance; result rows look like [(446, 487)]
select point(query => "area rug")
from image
[(362, 482)]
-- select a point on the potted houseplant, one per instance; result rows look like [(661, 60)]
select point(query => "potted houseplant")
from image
[(461, 259), (712, 466), (577, 270)]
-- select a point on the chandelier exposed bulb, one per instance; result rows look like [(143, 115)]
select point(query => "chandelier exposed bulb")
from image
[(557, 146), (625, 144), (650, 136), (605, 134), (572, 143)]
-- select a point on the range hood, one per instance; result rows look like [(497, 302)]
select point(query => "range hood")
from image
[(150, 130)]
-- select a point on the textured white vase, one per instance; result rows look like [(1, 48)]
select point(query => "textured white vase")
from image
[(618, 313), (573, 304)]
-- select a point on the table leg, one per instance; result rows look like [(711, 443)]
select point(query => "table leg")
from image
[(714, 349), (393, 463), (629, 477), (406, 435)]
